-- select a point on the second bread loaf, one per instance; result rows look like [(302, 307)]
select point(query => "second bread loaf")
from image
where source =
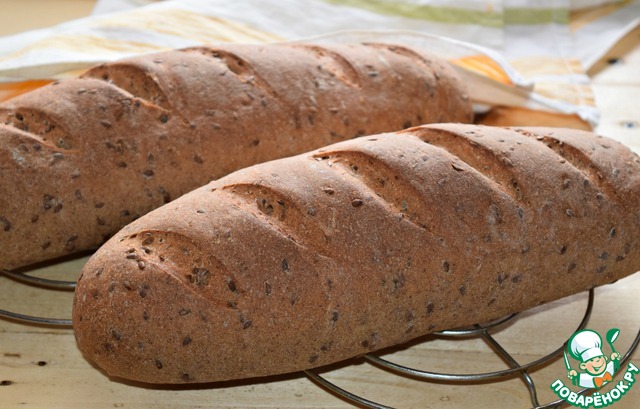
[(368, 243), (81, 158)]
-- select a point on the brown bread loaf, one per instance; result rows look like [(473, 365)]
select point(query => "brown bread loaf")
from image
[(354, 247), (81, 158)]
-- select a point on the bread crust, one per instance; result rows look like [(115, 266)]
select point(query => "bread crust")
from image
[(81, 158), (365, 244)]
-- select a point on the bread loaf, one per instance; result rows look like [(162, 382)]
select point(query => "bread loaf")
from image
[(81, 158), (368, 243)]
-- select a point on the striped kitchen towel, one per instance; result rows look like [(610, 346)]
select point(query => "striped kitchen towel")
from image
[(532, 54)]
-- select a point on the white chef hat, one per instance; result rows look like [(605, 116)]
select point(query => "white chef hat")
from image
[(585, 345)]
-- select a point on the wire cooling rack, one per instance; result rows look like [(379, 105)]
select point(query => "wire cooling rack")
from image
[(482, 331)]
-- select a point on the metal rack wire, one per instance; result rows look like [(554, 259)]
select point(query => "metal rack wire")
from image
[(481, 331), (38, 282)]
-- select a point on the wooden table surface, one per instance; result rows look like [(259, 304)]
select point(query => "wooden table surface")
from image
[(42, 368)]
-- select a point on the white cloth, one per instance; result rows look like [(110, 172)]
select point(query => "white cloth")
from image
[(547, 57)]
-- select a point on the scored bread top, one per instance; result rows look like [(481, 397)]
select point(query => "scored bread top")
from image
[(368, 243), (81, 158)]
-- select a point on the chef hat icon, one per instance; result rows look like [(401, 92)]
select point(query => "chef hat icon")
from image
[(585, 344)]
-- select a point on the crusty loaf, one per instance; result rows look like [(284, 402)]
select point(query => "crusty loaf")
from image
[(81, 158), (364, 244)]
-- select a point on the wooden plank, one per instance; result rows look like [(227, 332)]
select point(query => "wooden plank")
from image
[(616, 86), (23, 15), (42, 368), (47, 361)]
